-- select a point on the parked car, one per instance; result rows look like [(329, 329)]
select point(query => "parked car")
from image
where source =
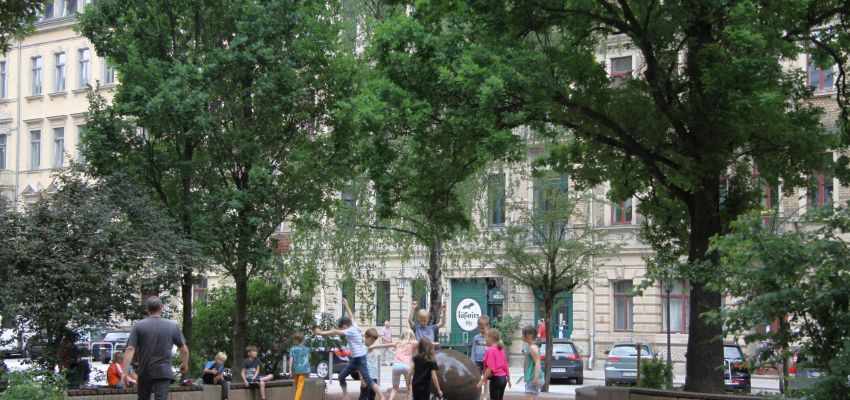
[(621, 362), (112, 342), (12, 341), (340, 357), (566, 360), (35, 344), (735, 371), (801, 376)]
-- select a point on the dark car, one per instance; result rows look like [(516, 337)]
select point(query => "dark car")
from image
[(735, 371), (566, 360), (340, 357), (113, 342)]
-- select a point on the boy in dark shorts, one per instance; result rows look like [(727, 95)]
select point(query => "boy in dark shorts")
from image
[(251, 371), (479, 347)]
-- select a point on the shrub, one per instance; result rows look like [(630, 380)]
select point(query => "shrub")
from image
[(34, 383), (656, 374), (508, 328)]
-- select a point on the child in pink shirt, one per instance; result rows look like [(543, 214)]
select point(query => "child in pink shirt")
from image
[(495, 366)]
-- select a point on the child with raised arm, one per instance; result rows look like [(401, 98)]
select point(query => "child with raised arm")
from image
[(423, 329), (495, 366), (423, 371), (299, 363), (531, 367), (357, 362), (405, 348)]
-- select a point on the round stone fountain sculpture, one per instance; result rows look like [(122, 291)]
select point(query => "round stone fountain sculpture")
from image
[(458, 376)]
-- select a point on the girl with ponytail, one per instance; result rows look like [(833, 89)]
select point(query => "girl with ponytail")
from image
[(495, 366)]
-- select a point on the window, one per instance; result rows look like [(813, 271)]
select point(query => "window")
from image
[(420, 292), (2, 151), (108, 74), (820, 79), (380, 222), (496, 190), (349, 207), (199, 289), (36, 75), (58, 147), (680, 307), (348, 290), (149, 294), (382, 294), (547, 190), (549, 194), (59, 81), (48, 11), (770, 202), (622, 213), (620, 69), (85, 58), (81, 146), (35, 149), (821, 188), (3, 81), (623, 306)]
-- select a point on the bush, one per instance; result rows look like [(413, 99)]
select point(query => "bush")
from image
[(34, 383), (656, 374), (508, 328)]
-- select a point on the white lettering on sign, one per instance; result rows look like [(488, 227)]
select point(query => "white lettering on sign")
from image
[(467, 313)]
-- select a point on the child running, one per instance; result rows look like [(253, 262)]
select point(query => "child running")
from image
[(531, 366), (299, 363), (423, 371), (479, 347), (495, 366), (351, 330), (404, 350)]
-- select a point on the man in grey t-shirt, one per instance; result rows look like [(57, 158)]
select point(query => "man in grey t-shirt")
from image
[(153, 338)]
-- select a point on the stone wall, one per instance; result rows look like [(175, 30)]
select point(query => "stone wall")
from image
[(314, 389), (628, 393)]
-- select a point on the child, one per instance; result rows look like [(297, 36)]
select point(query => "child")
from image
[(299, 363), (423, 371), (366, 392), (531, 366), (495, 366), (113, 374), (357, 362), (479, 347), (423, 330), (251, 371), (212, 374), (404, 350)]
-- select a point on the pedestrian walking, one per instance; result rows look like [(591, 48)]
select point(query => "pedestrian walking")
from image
[(153, 337), (387, 337)]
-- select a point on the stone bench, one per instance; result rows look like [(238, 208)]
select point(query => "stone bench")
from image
[(314, 389)]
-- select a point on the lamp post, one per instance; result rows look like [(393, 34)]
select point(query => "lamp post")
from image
[(400, 280), (669, 358)]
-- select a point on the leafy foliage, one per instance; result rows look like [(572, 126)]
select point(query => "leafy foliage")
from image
[(228, 111), (508, 328), (275, 314), (800, 278), (656, 374), (79, 257), (34, 383)]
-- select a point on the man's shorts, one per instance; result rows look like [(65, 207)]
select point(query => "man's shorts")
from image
[(529, 387)]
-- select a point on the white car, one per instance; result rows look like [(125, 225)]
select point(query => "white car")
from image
[(11, 339)]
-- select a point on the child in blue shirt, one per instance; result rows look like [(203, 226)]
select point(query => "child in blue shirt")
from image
[(299, 363), (212, 374)]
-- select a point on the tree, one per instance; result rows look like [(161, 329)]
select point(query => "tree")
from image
[(704, 97), (80, 256), (800, 279), (228, 112), (17, 19), (552, 248)]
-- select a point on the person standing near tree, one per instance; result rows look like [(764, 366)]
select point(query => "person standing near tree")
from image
[(153, 337), (387, 337), (541, 333)]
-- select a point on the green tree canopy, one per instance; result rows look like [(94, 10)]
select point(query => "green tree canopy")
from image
[(705, 95), (227, 110), (17, 19)]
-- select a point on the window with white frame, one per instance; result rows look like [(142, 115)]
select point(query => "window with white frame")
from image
[(621, 212), (624, 306), (59, 81), (85, 67), (37, 65), (819, 78), (3, 86), (2, 151), (496, 199), (81, 145), (108, 74), (620, 69), (35, 149), (58, 146)]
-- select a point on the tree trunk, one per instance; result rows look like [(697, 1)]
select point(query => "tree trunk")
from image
[(549, 308), (705, 355), (187, 315), (435, 279), (239, 321)]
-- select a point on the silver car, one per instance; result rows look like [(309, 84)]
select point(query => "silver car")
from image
[(621, 362)]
